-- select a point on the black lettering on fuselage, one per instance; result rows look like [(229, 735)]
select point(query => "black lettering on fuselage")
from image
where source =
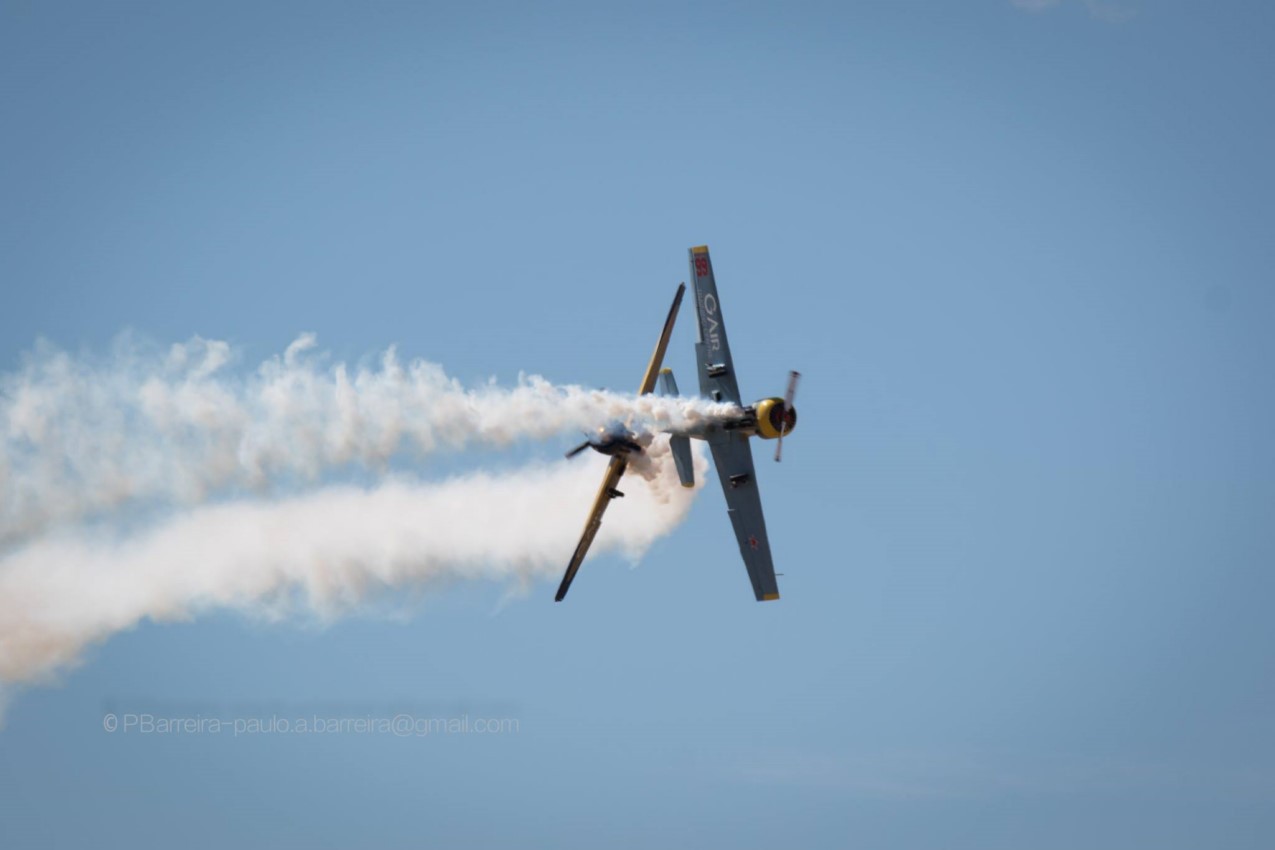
[(710, 324)]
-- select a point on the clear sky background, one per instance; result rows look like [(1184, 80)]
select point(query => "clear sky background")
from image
[(1021, 253)]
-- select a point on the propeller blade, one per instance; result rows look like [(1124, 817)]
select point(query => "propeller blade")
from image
[(789, 395), (578, 449), (793, 377)]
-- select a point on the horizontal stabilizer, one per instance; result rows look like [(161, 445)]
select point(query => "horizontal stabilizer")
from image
[(681, 447), (667, 385)]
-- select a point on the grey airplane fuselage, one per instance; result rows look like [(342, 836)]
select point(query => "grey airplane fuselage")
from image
[(616, 439), (746, 422)]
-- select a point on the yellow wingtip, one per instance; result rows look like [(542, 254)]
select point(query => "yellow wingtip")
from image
[(769, 597), (700, 249)]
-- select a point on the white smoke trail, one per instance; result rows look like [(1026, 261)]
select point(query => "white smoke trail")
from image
[(80, 436), (322, 553)]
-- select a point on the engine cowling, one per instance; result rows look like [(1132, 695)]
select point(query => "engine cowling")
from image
[(774, 416)]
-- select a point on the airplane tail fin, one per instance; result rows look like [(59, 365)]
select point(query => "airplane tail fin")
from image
[(680, 445), (667, 385)]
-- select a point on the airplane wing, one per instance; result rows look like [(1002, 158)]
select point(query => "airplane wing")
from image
[(734, 461), (615, 470), (731, 453), (605, 494), (716, 371)]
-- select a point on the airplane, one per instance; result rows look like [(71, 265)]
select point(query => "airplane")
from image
[(769, 418)]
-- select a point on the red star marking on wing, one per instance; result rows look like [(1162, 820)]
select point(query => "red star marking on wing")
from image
[(752, 541)]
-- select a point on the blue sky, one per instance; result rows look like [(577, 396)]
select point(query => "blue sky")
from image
[(1021, 254)]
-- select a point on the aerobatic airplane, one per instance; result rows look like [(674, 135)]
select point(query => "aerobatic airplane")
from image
[(770, 418)]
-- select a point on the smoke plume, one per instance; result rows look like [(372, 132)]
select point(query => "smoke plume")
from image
[(322, 553), (80, 436), (157, 485)]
